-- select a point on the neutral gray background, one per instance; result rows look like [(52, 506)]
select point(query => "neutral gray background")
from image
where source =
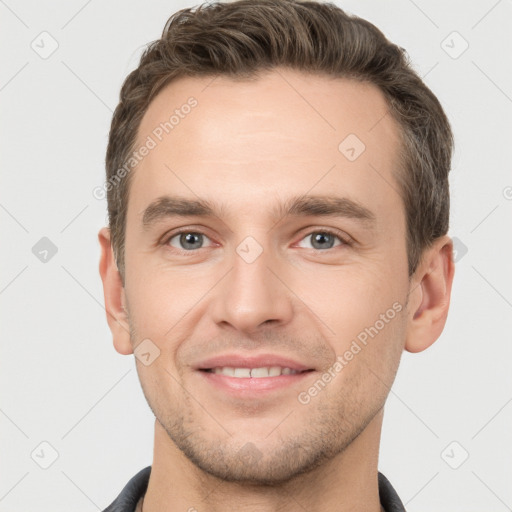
[(62, 381)]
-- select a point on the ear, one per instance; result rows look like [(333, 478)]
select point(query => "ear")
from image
[(429, 298), (114, 293)]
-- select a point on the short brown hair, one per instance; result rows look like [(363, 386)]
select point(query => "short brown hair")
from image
[(240, 38)]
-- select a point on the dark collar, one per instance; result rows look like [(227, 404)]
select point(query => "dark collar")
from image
[(136, 487)]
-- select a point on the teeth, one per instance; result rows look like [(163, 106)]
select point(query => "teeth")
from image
[(274, 371), (244, 373), (259, 372)]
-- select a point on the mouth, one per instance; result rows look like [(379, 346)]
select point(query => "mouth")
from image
[(244, 376), (254, 373)]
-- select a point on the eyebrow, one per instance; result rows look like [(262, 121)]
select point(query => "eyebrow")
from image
[(301, 206)]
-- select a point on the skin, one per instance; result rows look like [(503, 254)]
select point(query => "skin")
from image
[(250, 146)]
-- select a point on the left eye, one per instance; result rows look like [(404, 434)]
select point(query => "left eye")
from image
[(188, 240), (323, 240)]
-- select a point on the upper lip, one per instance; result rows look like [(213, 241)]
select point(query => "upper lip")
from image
[(251, 361)]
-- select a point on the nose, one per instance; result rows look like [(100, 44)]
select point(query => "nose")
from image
[(253, 295)]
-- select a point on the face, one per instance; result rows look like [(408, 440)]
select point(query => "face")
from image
[(266, 262)]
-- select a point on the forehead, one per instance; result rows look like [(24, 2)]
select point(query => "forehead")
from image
[(284, 131)]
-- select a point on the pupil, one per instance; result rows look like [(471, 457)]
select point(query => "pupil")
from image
[(191, 239), (321, 238)]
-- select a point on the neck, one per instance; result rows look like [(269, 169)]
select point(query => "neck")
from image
[(349, 481)]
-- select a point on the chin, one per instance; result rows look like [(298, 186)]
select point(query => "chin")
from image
[(260, 462)]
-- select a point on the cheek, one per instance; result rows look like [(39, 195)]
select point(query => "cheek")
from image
[(366, 313), (352, 301), (369, 358), (162, 298)]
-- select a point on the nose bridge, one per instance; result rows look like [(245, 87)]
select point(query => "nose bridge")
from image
[(252, 294)]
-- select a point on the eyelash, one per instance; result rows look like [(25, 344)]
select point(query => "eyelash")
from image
[(343, 239)]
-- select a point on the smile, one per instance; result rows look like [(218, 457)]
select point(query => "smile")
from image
[(255, 373)]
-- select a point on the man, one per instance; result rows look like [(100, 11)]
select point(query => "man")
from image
[(277, 181)]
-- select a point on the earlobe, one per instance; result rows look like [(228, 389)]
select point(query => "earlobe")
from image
[(114, 295), (430, 292)]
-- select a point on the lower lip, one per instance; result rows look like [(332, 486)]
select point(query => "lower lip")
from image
[(252, 386)]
